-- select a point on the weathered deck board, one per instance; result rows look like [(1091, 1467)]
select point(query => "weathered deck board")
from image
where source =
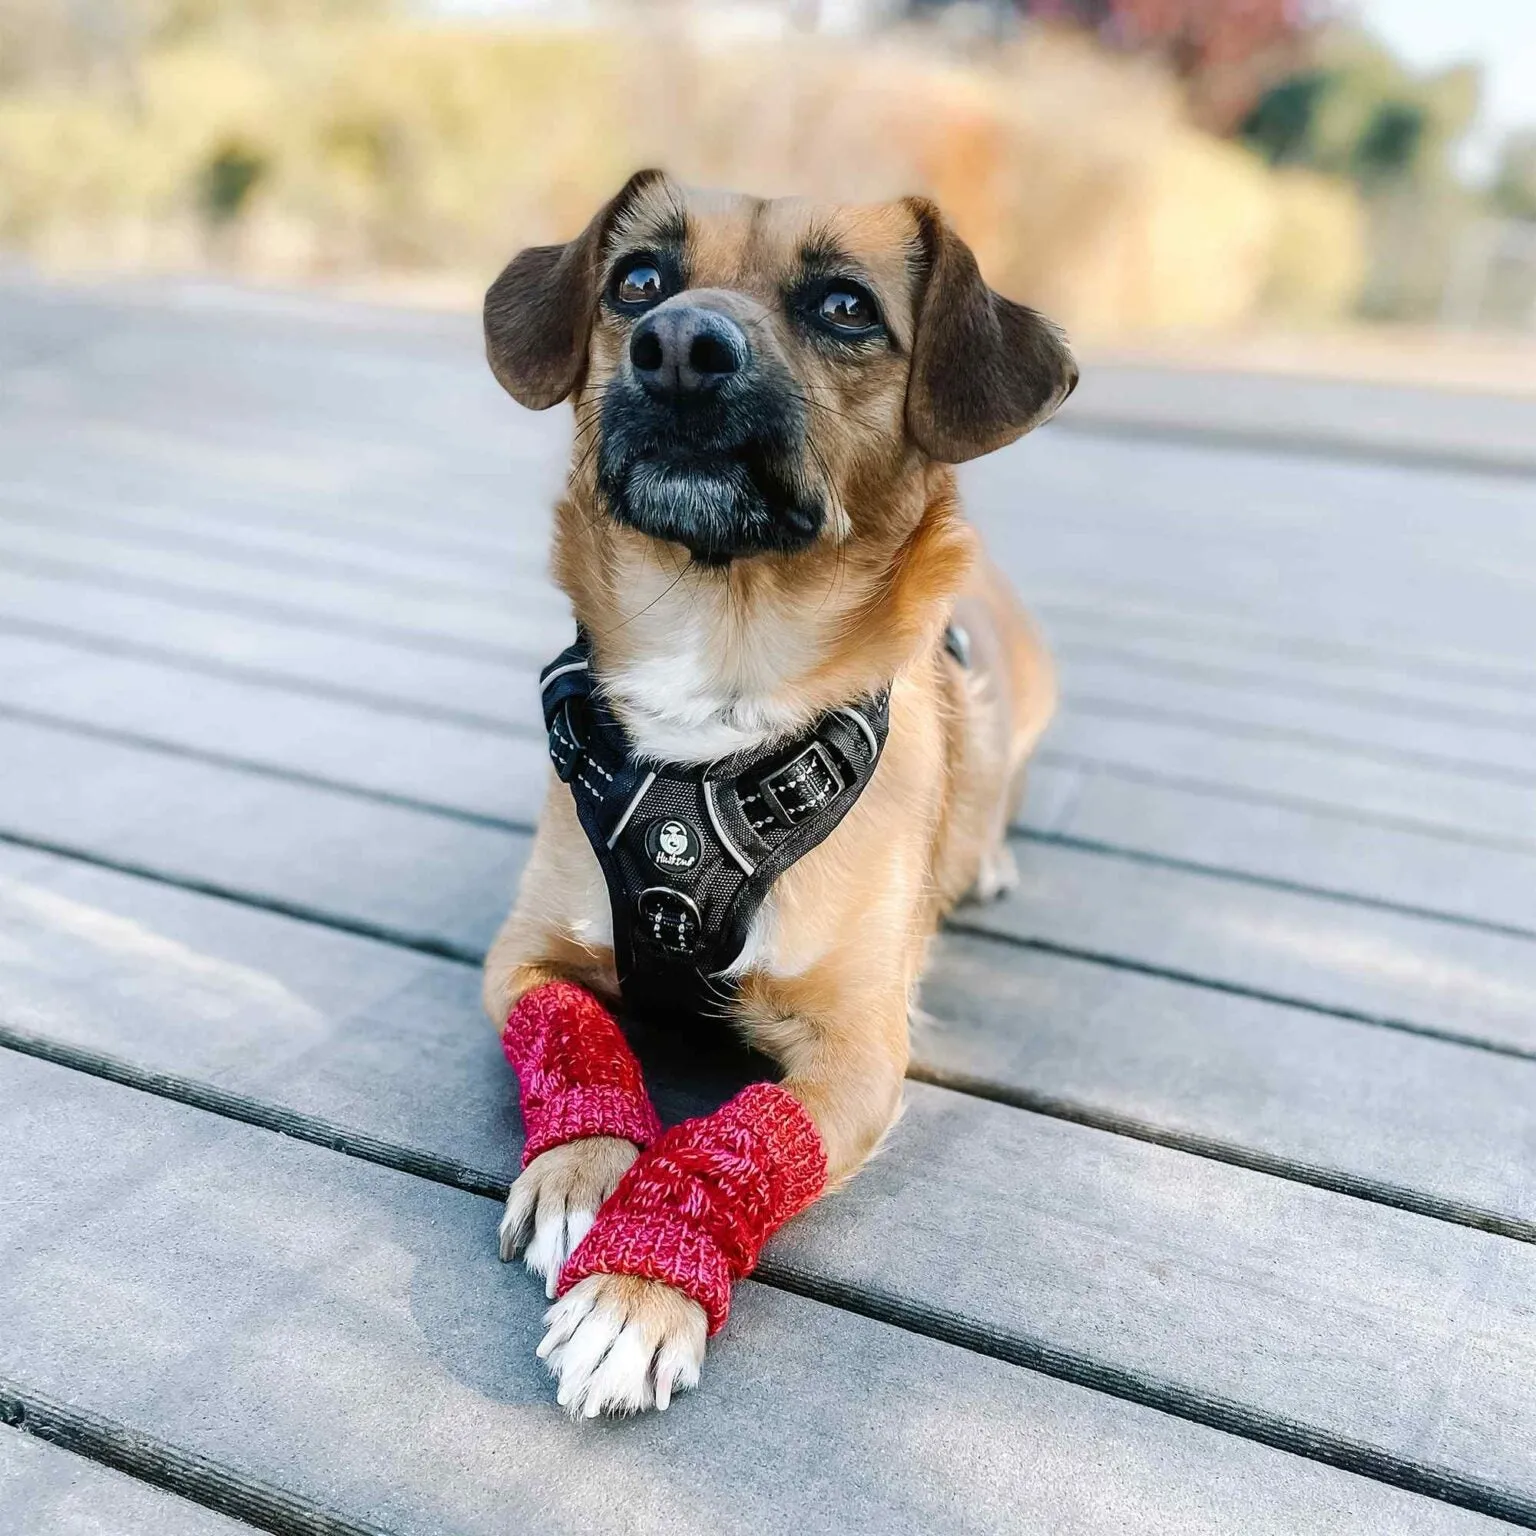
[(1411, 1114), (1456, 741), (357, 1343), (1365, 412), (45, 1489), (1278, 667), (1165, 509), (1430, 661), (1436, 799), (1342, 554), (309, 545), (1240, 936), (426, 878), (459, 767), (1306, 843), (282, 653), (473, 625)]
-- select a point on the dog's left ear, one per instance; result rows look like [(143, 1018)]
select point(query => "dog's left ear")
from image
[(538, 313), (984, 369)]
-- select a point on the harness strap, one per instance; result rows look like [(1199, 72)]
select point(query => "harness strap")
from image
[(689, 853)]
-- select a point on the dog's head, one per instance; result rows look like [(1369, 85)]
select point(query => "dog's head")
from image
[(753, 377)]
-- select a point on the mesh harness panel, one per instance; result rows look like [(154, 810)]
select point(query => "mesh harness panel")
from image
[(689, 853)]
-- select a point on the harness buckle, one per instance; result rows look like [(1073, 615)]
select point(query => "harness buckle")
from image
[(669, 921), (804, 785)]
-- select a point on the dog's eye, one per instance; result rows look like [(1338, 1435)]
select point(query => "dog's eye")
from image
[(639, 284), (848, 309)]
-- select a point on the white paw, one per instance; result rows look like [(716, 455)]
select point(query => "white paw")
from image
[(553, 1203), (622, 1344), (998, 874)]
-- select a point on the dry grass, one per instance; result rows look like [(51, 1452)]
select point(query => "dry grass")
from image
[(301, 150)]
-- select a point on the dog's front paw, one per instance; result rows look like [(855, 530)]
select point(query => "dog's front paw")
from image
[(555, 1199), (622, 1344)]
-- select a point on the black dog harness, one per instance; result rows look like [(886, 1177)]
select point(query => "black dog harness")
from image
[(689, 853)]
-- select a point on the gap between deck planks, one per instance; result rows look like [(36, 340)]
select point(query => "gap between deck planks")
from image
[(1075, 1243)]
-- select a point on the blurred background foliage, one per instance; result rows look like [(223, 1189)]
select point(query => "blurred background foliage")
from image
[(1130, 165)]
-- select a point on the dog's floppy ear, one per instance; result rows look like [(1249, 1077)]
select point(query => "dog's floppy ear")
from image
[(984, 369), (538, 313)]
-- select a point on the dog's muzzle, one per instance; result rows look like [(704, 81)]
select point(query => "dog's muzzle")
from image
[(702, 440)]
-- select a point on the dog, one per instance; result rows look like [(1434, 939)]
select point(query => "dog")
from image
[(781, 609)]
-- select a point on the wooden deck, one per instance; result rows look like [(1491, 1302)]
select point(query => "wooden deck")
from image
[(1214, 1206)]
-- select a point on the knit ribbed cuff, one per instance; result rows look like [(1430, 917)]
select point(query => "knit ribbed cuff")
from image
[(662, 1245), (695, 1210), (576, 1072)]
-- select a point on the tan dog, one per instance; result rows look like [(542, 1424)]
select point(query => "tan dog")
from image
[(760, 525)]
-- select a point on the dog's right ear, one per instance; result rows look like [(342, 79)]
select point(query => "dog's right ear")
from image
[(984, 369), (538, 313)]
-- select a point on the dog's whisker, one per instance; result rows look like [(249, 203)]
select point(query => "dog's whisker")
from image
[(653, 602), (811, 401)]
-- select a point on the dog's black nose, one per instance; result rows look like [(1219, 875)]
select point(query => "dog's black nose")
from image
[(687, 351)]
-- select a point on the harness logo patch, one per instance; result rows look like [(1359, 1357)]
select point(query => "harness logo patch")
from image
[(673, 845)]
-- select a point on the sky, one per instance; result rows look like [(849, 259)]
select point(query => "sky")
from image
[(1498, 34)]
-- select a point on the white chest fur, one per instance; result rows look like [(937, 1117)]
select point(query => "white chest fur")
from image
[(695, 680)]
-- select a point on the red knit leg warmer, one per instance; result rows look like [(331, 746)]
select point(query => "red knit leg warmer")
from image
[(576, 1071), (697, 1208)]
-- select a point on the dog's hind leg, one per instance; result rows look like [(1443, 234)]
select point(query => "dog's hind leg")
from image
[(1010, 693)]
